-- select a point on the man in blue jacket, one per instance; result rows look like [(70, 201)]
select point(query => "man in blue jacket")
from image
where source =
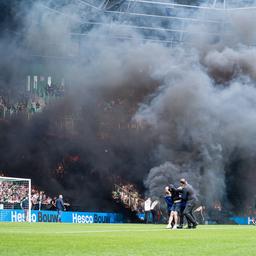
[(60, 207), (24, 204)]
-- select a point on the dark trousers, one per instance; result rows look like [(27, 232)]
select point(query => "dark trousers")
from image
[(154, 216), (59, 212), (181, 215), (147, 216), (188, 212)]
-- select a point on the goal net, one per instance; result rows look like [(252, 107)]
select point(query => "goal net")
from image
[(15, 199)]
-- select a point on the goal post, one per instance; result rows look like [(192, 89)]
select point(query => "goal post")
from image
[(15, 194)]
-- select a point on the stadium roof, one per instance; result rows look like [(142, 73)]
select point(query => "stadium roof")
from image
[(164, 21), (218, 4)]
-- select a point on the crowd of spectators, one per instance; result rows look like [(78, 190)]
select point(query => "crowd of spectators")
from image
[(23, 106), (129, 196), (41, 201), (31, 101), (12, 193)]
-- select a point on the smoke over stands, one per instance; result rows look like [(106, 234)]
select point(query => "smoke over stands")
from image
[(134, 111)]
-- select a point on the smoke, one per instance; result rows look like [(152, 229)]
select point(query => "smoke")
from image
[(139, 111), (99, 104), (204, 115)]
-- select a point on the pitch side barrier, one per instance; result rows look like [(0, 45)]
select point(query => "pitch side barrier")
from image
[(247, 220), (86, 217), (67, 217), (243, 220)]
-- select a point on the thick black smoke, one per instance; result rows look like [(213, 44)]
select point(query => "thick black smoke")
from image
[(103, 146), (139, 111)]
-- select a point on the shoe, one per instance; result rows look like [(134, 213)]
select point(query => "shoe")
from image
[(180, 227), (189, 227), (169, 226), (194, 226), (174, 227)]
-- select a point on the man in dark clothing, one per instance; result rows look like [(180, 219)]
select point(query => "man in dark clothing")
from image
[(154, 211), (60, 207), (189, 196), (24, 204), (181, 214), (147, 210)]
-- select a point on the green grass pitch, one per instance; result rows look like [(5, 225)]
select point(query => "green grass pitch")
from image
[(43, 239)]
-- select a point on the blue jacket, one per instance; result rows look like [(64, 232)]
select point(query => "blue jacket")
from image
[(169, 201), (60, 204)]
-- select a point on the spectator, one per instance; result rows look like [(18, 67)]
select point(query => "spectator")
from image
[(24, 205), (154, 208), (60, 207), (147, 209)]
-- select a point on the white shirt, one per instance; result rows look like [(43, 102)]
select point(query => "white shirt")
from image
[(147, 204)]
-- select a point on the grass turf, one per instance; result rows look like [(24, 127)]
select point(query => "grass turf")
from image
[(43, 239)]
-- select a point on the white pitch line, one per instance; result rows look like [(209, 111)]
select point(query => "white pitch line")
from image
[(141, 230), (108, 231), (129, 230), (84, 231)]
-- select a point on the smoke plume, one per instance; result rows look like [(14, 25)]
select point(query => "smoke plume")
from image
[(140, 111)]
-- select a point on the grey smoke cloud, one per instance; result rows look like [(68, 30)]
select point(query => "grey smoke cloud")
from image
[(204, 113), (196, 102)]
